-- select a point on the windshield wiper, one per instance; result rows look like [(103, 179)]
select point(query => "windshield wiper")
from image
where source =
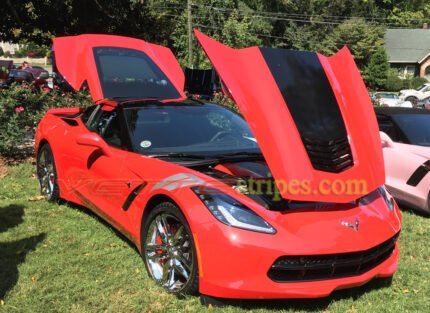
[(240, 154), (178, 155)]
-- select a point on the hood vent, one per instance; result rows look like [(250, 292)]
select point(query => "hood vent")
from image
[(329, 156)]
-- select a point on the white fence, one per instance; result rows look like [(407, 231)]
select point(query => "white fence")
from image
[(31, 61)]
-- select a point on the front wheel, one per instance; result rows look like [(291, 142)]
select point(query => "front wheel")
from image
[(168, 250), (47, 174), (412, 100)]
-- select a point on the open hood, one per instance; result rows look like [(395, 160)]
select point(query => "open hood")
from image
[(118, 67), (311, 116)]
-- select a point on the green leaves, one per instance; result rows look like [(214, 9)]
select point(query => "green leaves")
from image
[(376, 72), (22, 107)]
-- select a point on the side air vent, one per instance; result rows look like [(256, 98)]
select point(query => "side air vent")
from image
[(329, 156), (71, 122)]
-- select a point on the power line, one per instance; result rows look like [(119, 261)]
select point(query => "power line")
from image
[(298, 18), (297, 15), (304, 18), (252, 33), (289, 39)]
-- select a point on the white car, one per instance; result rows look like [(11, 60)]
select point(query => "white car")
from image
[(413, 95), (387, 99)]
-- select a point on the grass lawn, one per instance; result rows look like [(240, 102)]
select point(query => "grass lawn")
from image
[(59, 258)]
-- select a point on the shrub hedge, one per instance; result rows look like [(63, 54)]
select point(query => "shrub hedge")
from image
[(394, 83), (22, 107)]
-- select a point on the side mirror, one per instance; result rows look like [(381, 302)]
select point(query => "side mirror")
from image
[(94, 140), (386, 140)]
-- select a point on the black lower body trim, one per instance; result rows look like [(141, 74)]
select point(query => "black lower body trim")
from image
[(330, 266)]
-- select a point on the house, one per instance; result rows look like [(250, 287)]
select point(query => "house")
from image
[(409, 51), (9, 47)]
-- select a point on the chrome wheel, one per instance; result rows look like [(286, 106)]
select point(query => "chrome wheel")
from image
[(169, 252), (46, 173)]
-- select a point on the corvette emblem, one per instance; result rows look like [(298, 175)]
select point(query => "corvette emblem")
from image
[(353, 226)]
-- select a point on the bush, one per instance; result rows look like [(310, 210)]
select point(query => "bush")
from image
[(1, 51), (417, 81), (21, 109), (220, 98), (394, 83)]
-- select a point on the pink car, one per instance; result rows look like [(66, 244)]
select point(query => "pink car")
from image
[(405, 137)]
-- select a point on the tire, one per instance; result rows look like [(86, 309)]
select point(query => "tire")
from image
[(47, 174), (412, 100), (170, 256)]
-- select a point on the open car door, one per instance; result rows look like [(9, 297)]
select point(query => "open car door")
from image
[(311, 116)]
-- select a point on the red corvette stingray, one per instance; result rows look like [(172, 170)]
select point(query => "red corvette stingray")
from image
[(285, 202)]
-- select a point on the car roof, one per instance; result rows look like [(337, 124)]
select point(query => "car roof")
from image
[(400, 111)]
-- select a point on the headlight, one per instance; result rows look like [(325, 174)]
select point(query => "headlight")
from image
[(389, 200), (229, 211)]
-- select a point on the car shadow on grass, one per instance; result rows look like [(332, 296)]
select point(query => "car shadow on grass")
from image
[(310, 305), (414, 211), (94, 215), (13, 253)]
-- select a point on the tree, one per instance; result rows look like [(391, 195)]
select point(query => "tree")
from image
[(40, 20), (1, 51), (233, 24), (361, 37), (376, 72)]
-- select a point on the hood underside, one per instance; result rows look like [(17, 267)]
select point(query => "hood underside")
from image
[(310, 114), (116, 66)]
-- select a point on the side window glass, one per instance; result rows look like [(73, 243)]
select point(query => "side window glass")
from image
[(87, 113), (387, 126), (107, 125)]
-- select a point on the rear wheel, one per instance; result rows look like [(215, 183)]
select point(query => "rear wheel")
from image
[(168, 250), (47, 174)]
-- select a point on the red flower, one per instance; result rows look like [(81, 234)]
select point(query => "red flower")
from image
[(19, 109)]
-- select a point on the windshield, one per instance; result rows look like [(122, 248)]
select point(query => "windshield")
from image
[(198, 129), (416, 128), (128, 73), (421, 87), (387, 95)]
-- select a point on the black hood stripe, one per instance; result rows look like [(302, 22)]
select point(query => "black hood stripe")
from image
[(309, 97)]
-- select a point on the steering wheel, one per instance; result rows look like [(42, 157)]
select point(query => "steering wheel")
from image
[(221, 134)]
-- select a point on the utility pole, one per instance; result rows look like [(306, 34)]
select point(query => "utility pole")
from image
[(190, 35)]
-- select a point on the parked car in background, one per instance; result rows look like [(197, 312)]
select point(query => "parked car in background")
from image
[(413, 95), (36, 76), (19, 76), (387, 99), (423, 104), (405, 136)]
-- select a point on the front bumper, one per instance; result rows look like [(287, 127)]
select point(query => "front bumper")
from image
[(252, 282), (235, 263)]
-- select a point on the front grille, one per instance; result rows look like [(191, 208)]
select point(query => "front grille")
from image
[(330, 266), (329, 156)]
